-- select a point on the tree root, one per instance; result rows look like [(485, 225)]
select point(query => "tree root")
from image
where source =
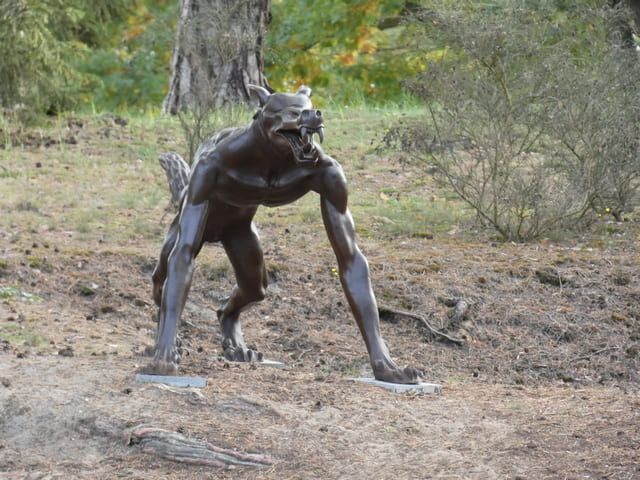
[(459, 313)]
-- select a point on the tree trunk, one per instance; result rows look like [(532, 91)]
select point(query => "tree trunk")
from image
[(217, 52)]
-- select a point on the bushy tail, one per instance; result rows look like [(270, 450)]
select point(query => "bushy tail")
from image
[(177, 172)]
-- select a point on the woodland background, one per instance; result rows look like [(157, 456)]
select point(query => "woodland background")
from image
[(115, 55), (527, 112)]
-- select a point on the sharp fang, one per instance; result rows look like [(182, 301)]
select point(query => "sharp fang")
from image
[(303, 132), (320, 133)]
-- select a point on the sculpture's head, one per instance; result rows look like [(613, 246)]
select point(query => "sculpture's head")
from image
[(289, 119)]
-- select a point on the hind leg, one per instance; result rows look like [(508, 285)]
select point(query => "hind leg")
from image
[(243, 248)]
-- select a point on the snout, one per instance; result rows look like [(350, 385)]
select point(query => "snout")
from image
[(311, 119)]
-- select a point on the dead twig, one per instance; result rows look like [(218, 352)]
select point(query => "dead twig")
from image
[(415, 316)]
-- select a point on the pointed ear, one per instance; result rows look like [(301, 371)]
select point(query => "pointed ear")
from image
[(304, 90), (262, 94)]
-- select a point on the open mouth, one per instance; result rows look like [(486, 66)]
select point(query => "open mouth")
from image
[(301, 142)]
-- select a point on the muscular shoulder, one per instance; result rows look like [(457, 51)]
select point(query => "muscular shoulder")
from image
[(204, 177), (330, 171), (331, 182), (216, 141)]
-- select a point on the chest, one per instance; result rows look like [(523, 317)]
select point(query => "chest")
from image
[(271, 189)]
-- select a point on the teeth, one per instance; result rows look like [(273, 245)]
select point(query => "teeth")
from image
[(307, 134)]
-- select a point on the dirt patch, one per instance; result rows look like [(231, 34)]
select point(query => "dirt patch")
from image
[(544, 387)]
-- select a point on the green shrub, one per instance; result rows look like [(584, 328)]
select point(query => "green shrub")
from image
[(130, 68), (598, 144), (529, 126)]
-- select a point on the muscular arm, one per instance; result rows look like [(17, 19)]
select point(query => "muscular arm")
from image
[(190, 229), (353, 267), (354, 276)]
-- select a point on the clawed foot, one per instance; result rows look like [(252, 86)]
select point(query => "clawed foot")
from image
[(158, 367), (387, 371), (235, 350), (240, 353), (165, 362)]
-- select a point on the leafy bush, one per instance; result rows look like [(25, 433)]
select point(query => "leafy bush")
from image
[(531, 130), (598, 142)]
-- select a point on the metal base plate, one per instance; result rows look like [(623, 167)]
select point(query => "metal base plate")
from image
[(402, 387), (171, 380)]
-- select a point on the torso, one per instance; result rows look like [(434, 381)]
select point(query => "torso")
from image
[(237, 176), (242, 190)]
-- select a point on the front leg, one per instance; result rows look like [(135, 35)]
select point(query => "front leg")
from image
[(356, 283), (179, 271), (160, 271)]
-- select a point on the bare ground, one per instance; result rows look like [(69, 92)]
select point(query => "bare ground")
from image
[(545, 387)]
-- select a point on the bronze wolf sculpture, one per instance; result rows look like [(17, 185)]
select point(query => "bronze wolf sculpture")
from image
[(272, 161)]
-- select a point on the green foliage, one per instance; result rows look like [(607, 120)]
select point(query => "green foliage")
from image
[(130, 68), (115, 54), (341, 48), (35, 75), (61, 54)]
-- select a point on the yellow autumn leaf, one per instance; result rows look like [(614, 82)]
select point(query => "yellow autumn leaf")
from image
[(368, 47), (365, 7), (436, 55), (347, 58), (133, 32)]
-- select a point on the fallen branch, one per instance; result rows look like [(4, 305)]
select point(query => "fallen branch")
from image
[(415, 316), (176, 447)]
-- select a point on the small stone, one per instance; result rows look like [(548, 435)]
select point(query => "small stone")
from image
[(66, 352)]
